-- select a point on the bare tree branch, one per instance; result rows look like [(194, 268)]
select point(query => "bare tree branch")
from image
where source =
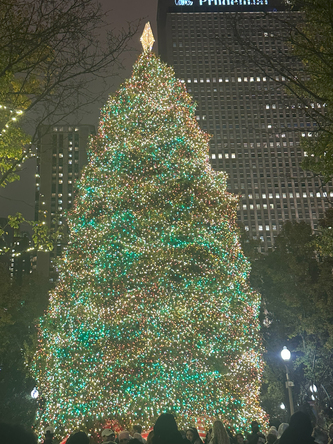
[(50, 54)]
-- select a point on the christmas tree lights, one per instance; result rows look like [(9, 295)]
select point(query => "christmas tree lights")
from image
[(153, 311)]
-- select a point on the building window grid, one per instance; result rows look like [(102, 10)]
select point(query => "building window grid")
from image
[(218, 152)]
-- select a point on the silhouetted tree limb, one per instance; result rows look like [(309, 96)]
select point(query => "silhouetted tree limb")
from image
[(50, 54)]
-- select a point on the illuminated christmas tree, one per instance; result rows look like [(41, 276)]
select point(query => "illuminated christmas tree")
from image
[(152, 311)]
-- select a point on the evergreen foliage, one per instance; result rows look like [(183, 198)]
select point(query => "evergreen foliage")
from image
[(153, 311)]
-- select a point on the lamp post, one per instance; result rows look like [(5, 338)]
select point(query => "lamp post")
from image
[(285, 355), (34, 393)]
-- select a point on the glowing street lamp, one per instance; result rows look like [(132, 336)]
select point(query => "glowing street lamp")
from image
[(34, 393), (313, 388), (286, 355)]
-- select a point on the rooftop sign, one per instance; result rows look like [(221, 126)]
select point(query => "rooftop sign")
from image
[(221, 2)]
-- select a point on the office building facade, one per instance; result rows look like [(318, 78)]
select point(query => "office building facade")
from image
[(61, 155), (256, 126), (17, 253)]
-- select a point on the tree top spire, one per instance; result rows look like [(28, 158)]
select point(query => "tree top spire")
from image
[(147, 39)]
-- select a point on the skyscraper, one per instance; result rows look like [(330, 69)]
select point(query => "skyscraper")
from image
[(256, 126), (16, 251), (61, 155)]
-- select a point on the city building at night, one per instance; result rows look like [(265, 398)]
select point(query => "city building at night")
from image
[(17, 253), (256, 126), (61, 155)]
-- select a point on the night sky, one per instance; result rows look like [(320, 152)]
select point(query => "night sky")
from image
[(19, 196)]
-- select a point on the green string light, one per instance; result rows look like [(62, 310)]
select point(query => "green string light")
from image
[(153, 311)]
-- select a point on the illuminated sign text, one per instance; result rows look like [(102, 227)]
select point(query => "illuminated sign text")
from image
[(221, 2)]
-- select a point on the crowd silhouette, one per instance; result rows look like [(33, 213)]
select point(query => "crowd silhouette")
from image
[(165, 431)]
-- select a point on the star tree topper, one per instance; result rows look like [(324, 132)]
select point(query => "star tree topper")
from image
[(147, 39)]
